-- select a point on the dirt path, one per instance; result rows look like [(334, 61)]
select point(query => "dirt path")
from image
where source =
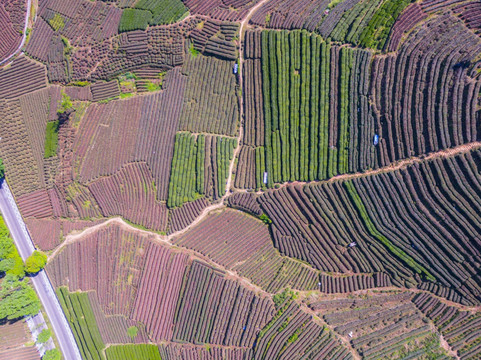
[(229, 186), (397, 165), (24, 36)]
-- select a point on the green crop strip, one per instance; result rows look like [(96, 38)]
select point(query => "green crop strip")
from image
[(51, 139), (137, 351), (187, 177), (376, 234), (80, 315), (308, 87)]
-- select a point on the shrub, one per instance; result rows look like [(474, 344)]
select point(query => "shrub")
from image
[(35, 262), (133, 331), (53, 354), (44, 336)]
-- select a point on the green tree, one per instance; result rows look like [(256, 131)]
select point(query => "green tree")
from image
[(133, 331), (10, 260), (53, 354), (44, 336), (2, 169), (35, 262), (65, 104), (17, 299)]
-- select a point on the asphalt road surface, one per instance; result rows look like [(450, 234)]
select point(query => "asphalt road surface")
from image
[(42, 284)]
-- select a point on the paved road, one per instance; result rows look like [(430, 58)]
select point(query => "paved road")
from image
[(24, 37), (42, 284)]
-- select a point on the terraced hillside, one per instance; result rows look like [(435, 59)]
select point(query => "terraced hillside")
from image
[(252, 179)]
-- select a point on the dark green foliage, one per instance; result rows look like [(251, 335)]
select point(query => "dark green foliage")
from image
[(139, 351), (17, 299), (134, 19), (163, 11), (35, 262), (51, 139), (79, 313)]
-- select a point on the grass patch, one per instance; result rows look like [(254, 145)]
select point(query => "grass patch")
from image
[(193, 51), (51, 139)]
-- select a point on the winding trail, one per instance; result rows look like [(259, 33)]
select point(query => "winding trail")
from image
[(24, 37), (166, 239), (397, 165)]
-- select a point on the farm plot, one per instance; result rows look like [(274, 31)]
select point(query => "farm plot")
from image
[(229, 10), (214, 310), (16, 150), (293, 334), (98, 255), (13, 337), (316, 120), (81, 21), (216, 38), (81, 318), (163, 11), (137, 129), (348, 283), (161, 47), (158, 291), (140, 351), (210, 102), (47, 233), (21, 77), (199, 167), (153, 285), (366, 23), (459, 328), (446, 47), (391, 223), (131, 192), (241, 243), (114, 329), (187, 351), (382, 326), (12, 20)]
